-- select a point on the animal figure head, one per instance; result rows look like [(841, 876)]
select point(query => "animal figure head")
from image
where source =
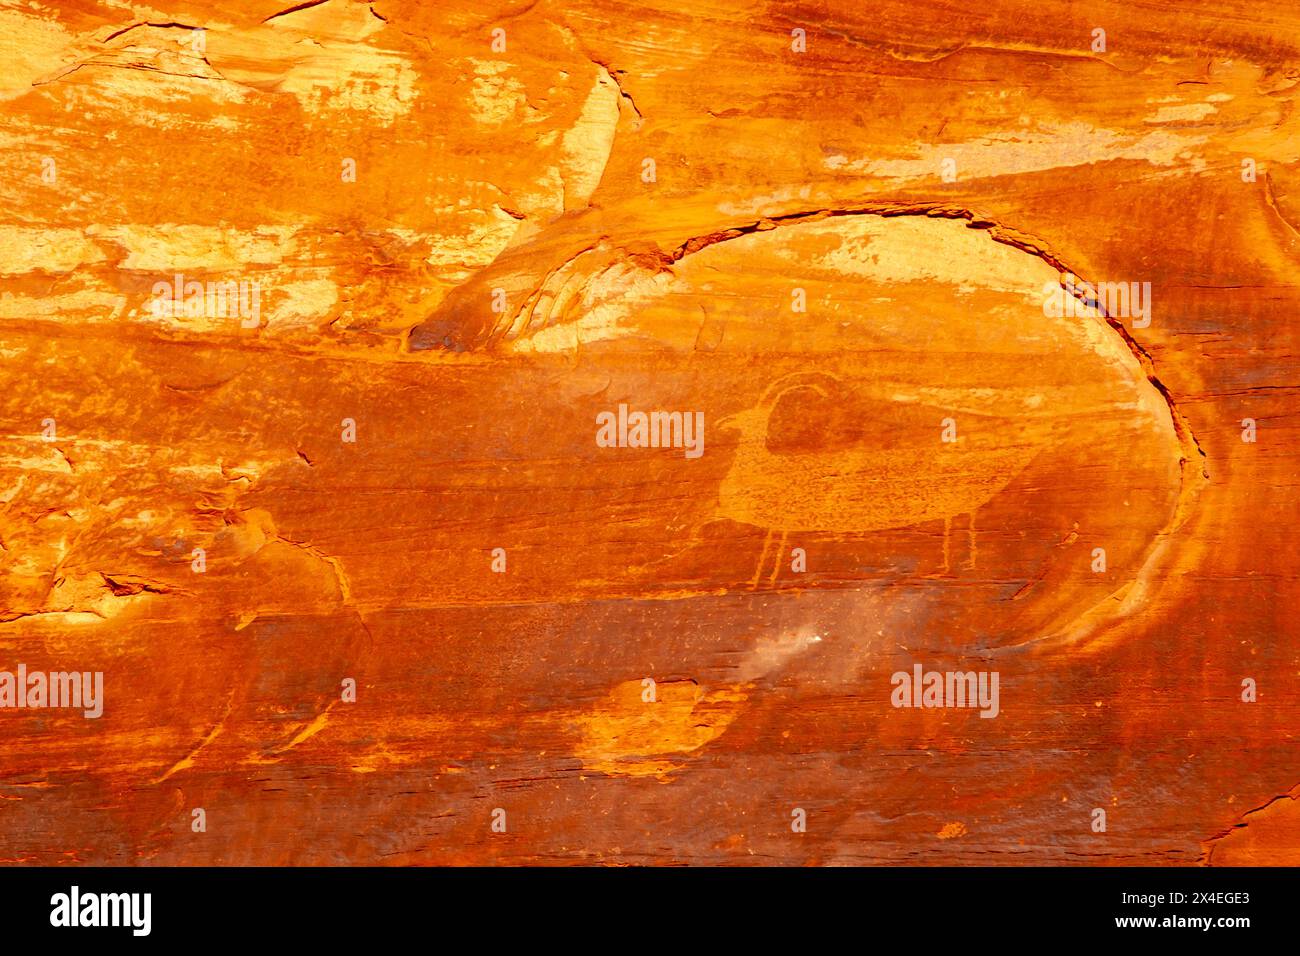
[(752, 422)]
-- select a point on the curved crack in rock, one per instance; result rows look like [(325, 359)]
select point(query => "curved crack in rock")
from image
[(1128, 596), (1209, 846), (296, 8)]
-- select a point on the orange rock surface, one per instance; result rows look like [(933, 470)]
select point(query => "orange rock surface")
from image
[(308, 316)]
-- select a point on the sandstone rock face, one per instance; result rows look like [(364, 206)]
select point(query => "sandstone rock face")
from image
[(416, 410)]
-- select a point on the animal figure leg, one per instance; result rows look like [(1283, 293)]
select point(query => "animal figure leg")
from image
[(780, 556), (970, 539)]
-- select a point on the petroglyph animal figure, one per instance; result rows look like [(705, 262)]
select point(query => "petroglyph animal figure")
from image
[(919, 478)]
